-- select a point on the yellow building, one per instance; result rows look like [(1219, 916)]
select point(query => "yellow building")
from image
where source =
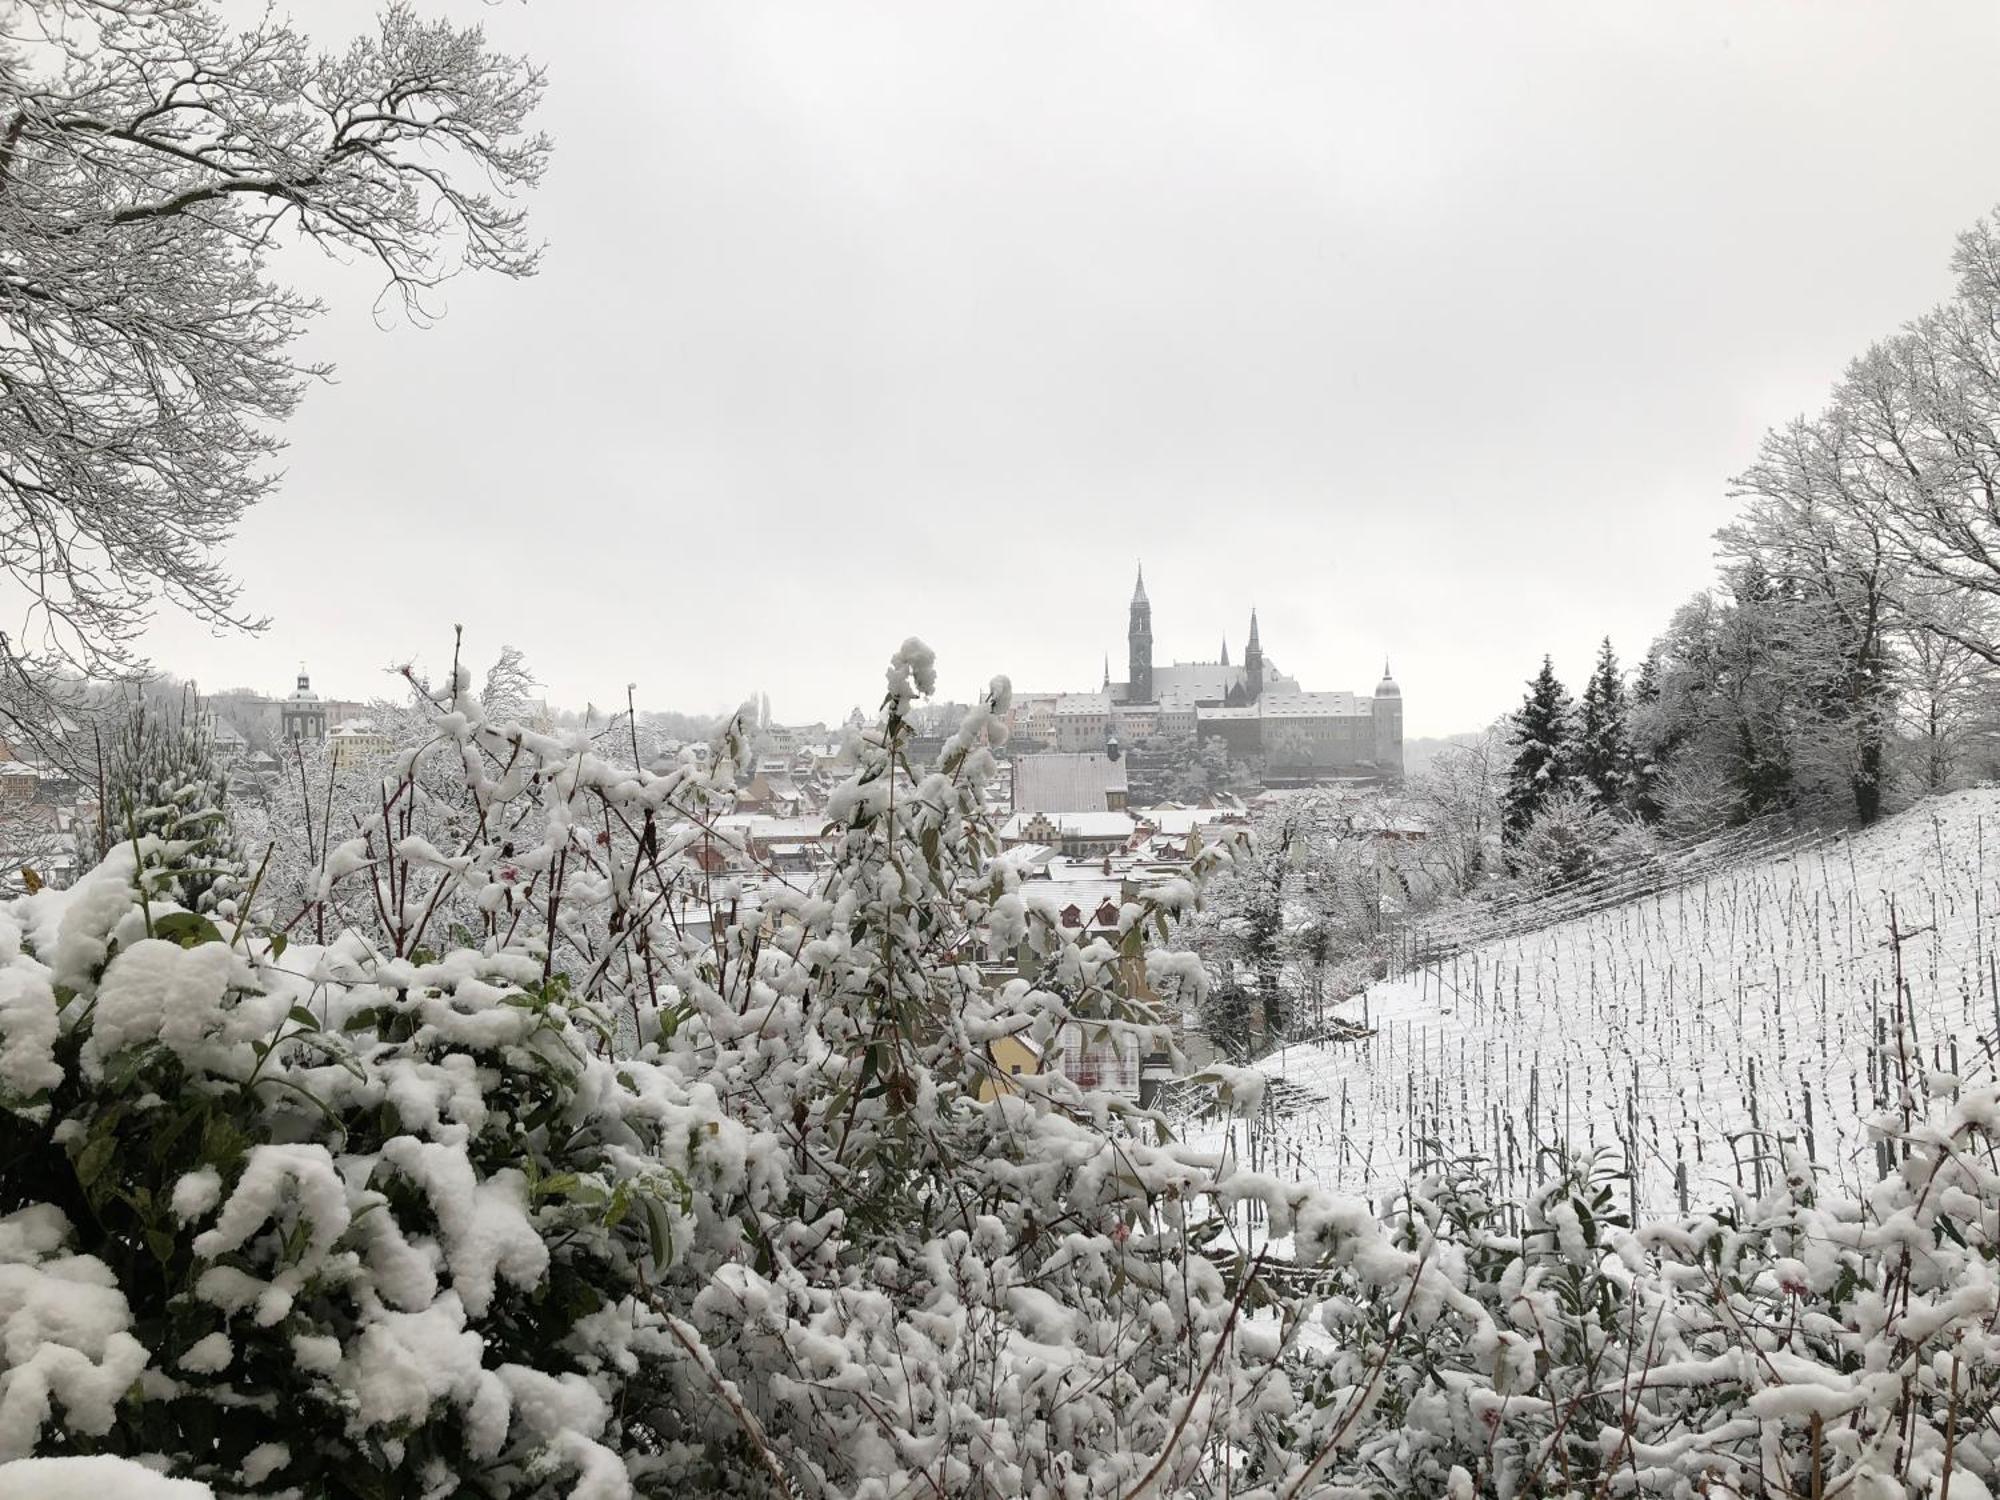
[(357, 742), (1012, 1057)]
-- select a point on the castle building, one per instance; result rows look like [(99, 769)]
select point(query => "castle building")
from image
[(1254, 708)]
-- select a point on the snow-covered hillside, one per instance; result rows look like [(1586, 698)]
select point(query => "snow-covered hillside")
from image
[(1676, 1029)]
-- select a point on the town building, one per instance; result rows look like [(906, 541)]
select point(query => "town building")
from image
[(1080, 835), (249, 724), (356, 742)]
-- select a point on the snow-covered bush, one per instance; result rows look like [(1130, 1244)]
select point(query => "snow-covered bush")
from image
[(1573, 839), (415, 793), (348, 1218), (646, 1204), (1798, 1343)]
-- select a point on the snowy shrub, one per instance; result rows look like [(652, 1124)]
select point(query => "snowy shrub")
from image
[(1793, 1343), (1569, 840), (649, 1193), (666, 1193)]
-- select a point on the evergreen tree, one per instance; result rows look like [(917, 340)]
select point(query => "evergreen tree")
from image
[(1543, 751), (1604, 742), (161, 780), (1649, 745)]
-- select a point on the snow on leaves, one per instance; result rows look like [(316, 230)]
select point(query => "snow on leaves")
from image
[(671, 1192)]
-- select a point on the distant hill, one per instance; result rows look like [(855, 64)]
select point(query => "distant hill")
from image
[(1418, 754)]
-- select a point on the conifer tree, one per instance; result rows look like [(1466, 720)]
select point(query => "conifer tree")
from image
[(1543, 739), (1650, 744), (1604, 742), (161, 780)]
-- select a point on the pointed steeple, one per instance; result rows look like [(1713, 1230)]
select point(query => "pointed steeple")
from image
[(1139, 644), (1107, 669), (1253, 627), (1253, 664), (1225, 650)]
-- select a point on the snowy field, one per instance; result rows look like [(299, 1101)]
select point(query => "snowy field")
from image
[(1681, 1030)]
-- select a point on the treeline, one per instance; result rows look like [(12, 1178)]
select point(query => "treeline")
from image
[(1845, 660)]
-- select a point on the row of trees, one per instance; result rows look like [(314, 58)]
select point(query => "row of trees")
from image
[(1756, 701), (1565, 749), (1848, 656)]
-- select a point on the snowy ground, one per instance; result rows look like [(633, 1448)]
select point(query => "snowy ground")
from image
[(1672, 1029)]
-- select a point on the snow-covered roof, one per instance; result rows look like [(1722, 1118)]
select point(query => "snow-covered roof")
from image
[(1078, 782), (748, 829), (1189, 681), (1297, 706), (1029, 858), (1314, 705), (1084, 703), (1180, 821)]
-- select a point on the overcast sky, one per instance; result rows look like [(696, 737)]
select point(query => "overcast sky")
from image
[(1434, 331)]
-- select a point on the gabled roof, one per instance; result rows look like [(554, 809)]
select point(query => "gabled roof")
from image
[(1066, 782), (1083, 825)]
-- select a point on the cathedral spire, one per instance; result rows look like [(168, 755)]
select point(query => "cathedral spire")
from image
[(1107, 669), (1139, 645), (1225, 650), (1253, 663)]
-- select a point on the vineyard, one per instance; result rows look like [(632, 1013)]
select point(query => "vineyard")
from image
[(1689, 1030)]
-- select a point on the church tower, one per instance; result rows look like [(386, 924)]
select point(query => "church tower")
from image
[(302, 716), (1388, 710), (1253, 664), (1139, 637)]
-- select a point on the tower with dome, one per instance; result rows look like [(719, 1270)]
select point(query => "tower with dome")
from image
[(302, 716)]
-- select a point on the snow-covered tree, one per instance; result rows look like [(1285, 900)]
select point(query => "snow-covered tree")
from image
[(1298, 919), (1921, 411), (1947, 694), (1812, 533), (1542, 737), (1648, 746), (1743, 721), (161, 781), (1457, 797), (645, 1204), (154, 156), (1569, 840), (1603, 753)]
